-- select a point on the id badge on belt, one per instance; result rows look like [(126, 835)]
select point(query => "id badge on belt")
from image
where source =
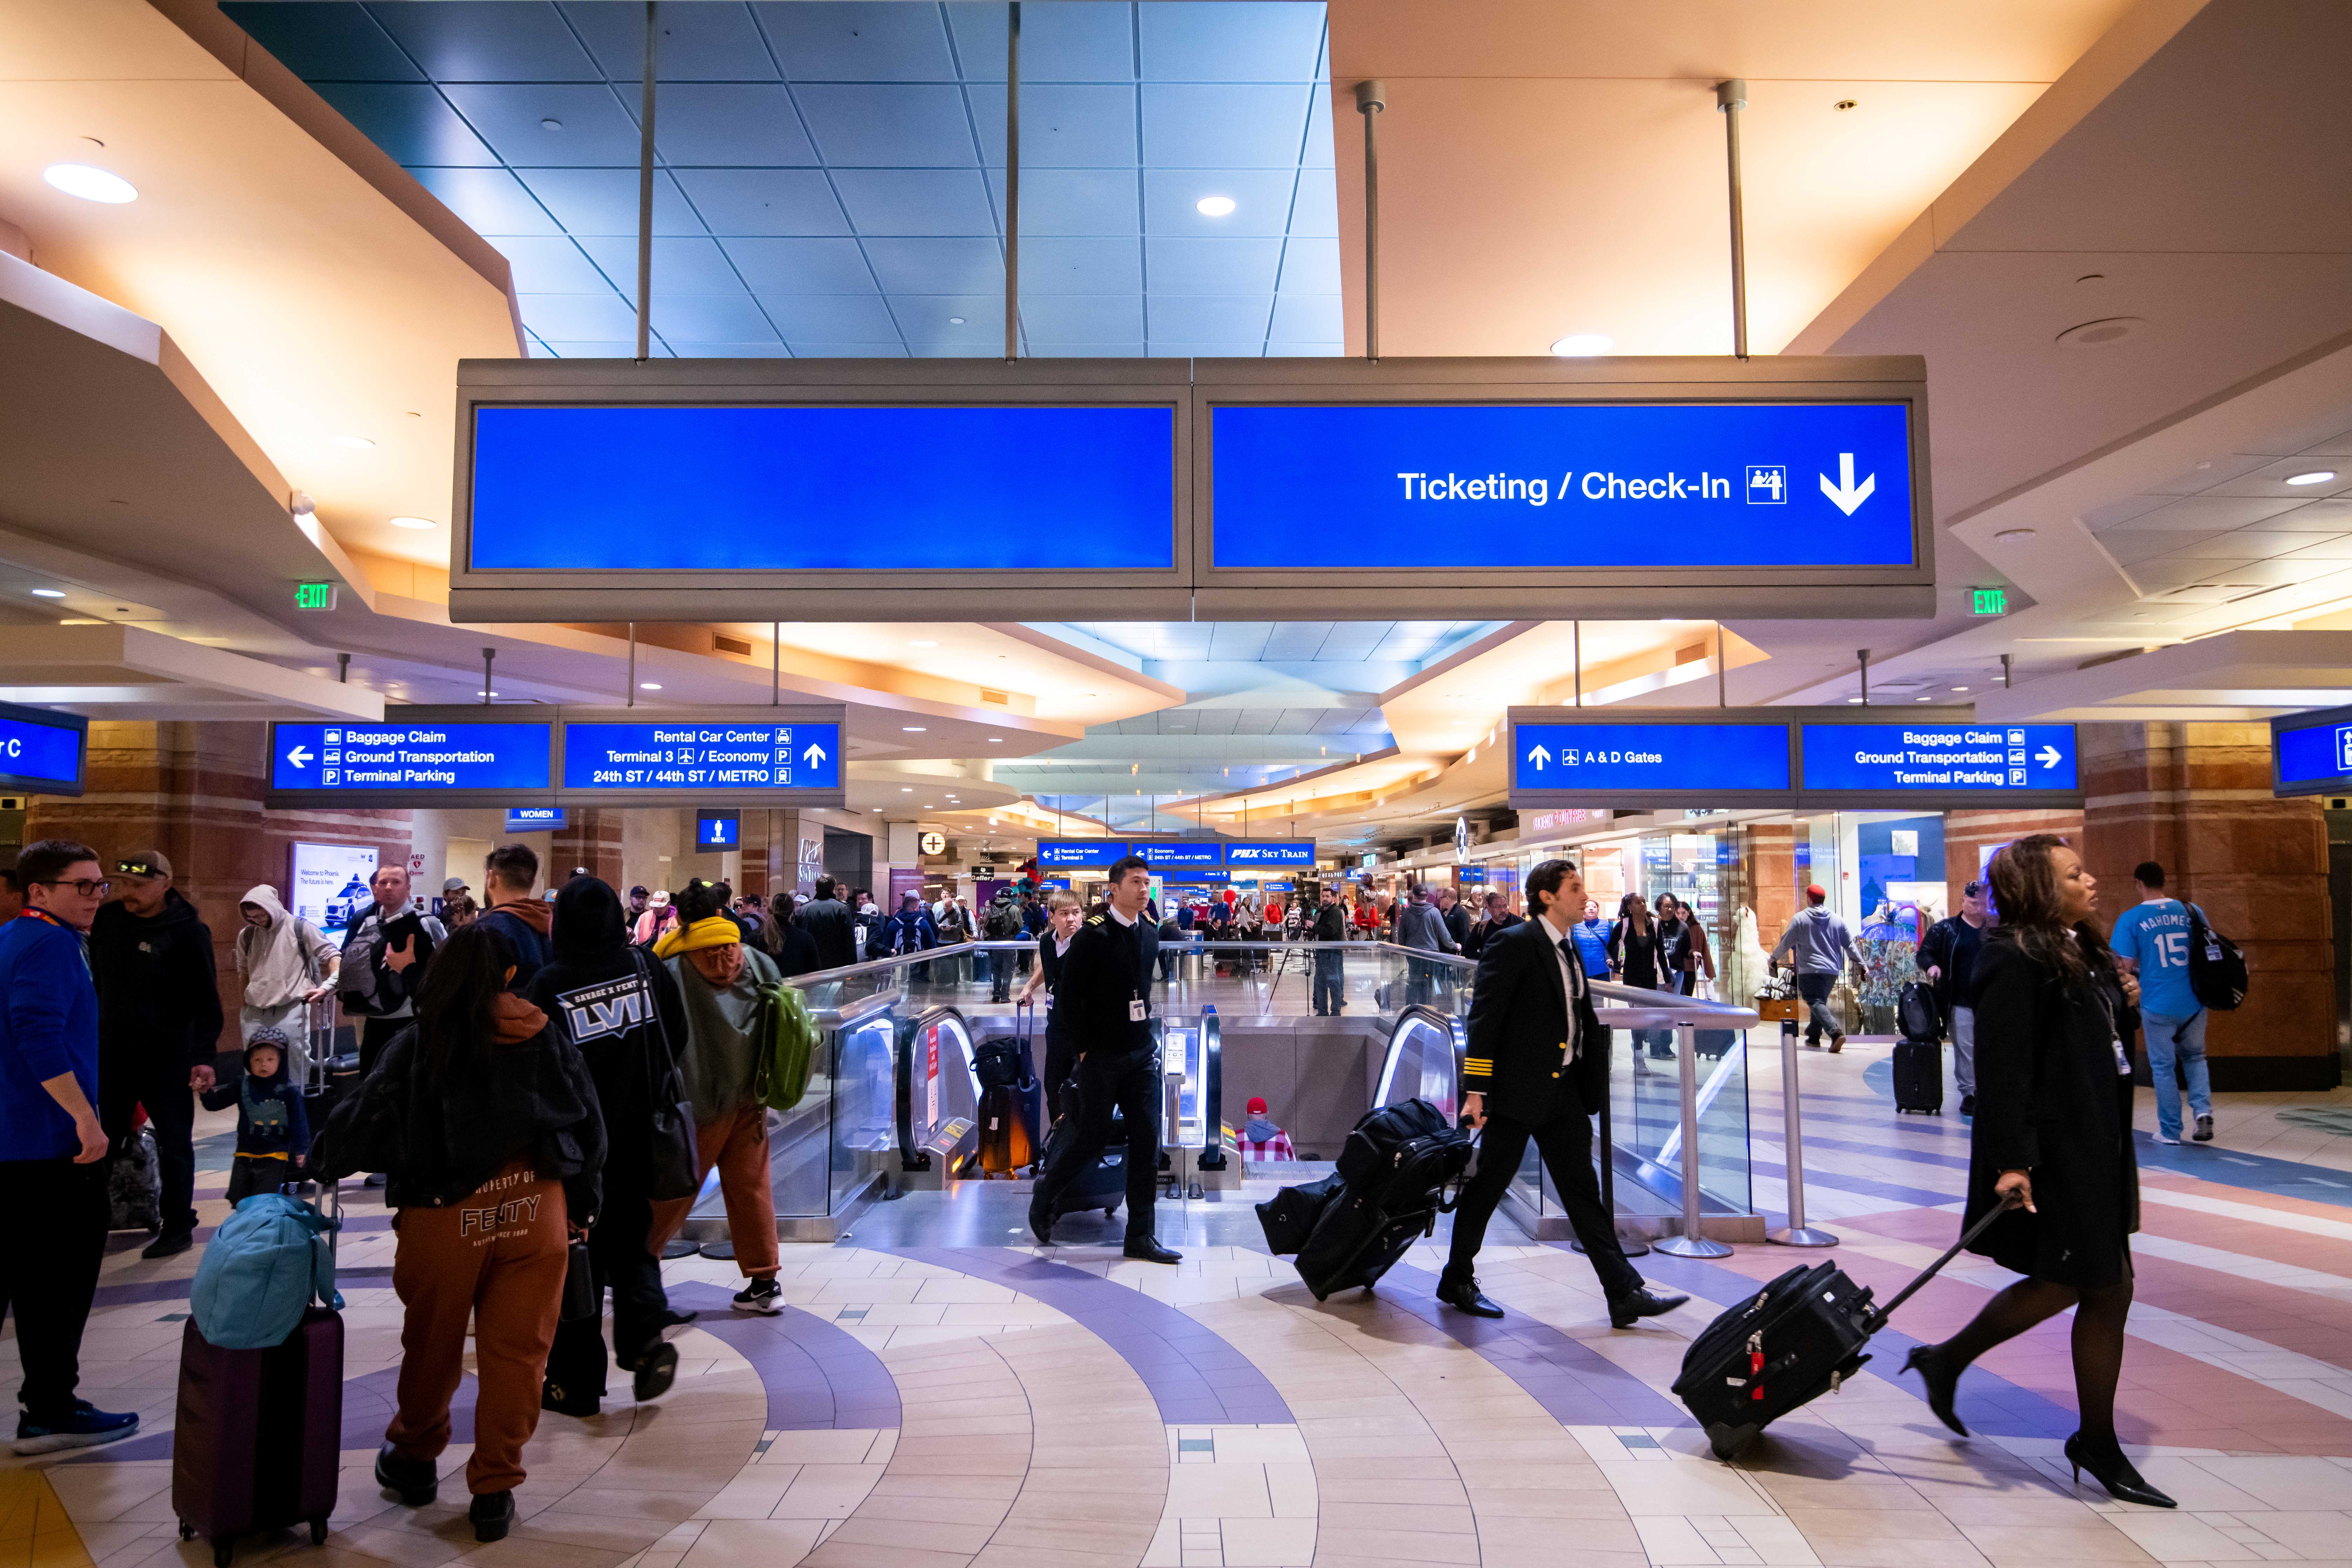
[(1136, 1011)]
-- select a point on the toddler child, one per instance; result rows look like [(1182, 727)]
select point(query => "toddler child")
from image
[(272, 1131)]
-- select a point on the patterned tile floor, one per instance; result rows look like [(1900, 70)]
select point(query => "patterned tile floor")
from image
[(940, 1394)]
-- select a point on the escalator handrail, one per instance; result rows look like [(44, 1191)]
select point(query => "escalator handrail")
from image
[(1447, 1024)]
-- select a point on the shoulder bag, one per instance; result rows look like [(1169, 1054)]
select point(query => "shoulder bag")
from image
[(674, 1168)]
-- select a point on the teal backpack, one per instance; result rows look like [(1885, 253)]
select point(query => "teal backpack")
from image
[(266, 1264)]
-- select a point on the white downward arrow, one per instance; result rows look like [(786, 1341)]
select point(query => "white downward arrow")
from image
[(2048, 756), (814, 755), (1845, 494), (1539, 756), (299, 756)]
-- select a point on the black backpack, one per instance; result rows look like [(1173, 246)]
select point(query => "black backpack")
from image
[(1402, 1154), (1918, 1013), (2216, 970)]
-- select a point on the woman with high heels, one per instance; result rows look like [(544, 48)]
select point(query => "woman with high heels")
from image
[(2053, 1135)]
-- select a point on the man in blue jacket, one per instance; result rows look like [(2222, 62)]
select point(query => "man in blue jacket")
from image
[(53, 1212)]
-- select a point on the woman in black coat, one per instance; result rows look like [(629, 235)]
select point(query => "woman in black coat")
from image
[(1637, 951), (2054, 1135)]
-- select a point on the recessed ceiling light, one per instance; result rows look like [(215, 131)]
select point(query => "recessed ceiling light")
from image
[(1579, 345), (1853, 700), (486, 694), (1214, 206), (356, 443), (913, 728), (2317, 477), (649, 686), (413, 522), (551, 124), (996, 739), (49, 592), (922, 642), (906, 789), (1960, 689), (955, 320), (2098, 333), (1923, 699), (2014, 533), (91, 185)]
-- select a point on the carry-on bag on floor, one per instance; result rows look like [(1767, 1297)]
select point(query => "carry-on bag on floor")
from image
[(257, 1436), (1917, 1014), (1393, 1171), (135, 1185), (1004, 1131), (1798, 1337), (1102, 1182), (1289, 1217), (1919, 1077)]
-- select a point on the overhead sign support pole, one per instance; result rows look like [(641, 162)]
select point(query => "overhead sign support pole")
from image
[(1013, 180), (645, 187), (1371, 97), (1731, 97)]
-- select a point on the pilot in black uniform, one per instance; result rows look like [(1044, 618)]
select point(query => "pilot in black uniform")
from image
[(1104, 1000), (1535, 1062)]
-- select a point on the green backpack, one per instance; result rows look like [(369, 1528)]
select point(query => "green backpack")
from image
[(788, 1042)]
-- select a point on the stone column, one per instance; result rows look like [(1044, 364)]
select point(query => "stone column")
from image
[(591, 837), (2196, 799), (193, 791), (1968, 833)]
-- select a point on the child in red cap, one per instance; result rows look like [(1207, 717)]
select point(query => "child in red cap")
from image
[(1261, 1139)]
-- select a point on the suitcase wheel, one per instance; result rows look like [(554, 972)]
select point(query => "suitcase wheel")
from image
[(223, 1551), (1111, 1212), (187, 1532), (318, 1532)]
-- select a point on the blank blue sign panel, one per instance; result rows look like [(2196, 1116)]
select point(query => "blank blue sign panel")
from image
[(1561, 486), (1942, 758), (823, 488), (410, 757), (40, 753), (1636, 757), (701, 754), (2315, 754)]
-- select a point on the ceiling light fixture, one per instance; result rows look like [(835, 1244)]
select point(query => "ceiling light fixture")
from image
[(356, 443), (996, 739), (91, 185), (413, 522), (2101, 332), (1582, 345), (649, 686), (1960, 689), (913, 728), (1214, 206), (2317, 477), (2014, 533), (551, 124), (1853, 700), (49, 592), (906, 789)]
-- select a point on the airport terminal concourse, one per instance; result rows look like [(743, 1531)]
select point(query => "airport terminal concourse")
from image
[(1175, 783)]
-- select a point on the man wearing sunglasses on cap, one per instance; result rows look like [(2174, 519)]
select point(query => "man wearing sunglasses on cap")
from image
[(159, 1022), (53, 1209)]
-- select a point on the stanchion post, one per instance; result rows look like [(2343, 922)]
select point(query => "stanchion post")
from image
[(1628, 1243), (1792, 1137), (1693, 1242)]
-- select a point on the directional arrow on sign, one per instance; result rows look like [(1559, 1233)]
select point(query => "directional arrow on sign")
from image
[(814, 755), (1539, 756), (2048, 756), (299, 756), (1845, 495)]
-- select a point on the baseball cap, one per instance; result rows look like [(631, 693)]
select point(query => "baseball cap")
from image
[(1258, 1105), (453, 885), (144, 863), (1816, 890)]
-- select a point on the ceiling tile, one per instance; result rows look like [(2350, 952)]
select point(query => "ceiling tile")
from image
[(1073, 201), (1212, 266), (1277, 348), (552, 265), (830, 317), (1306, 319), (2206, 514), (578, 316), (915, 266), (730, 123), (2128, 547), (801, 266), (858, 40), (605, 201), (1311, 267), (1052, 320), (705, 42), (624, 349), (1063, 126), (2313, 516), (1080, 40), (2326, 550), (929, 320), (765, 201), (2100, 519), (1081, 266), (592, 130), (324, 42), (1202, 318), (681, 266), (2206, 472), (1217, 126), (916, 201), (2269, 480), (1241, 40), (491, 201), (487, 40), (710, 317), (888, 125), (1261, 198), (771, 347), (1133, 348), (411, 121)]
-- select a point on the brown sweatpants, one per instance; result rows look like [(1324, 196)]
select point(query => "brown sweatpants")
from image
[(497, 1255), (738, 1144)]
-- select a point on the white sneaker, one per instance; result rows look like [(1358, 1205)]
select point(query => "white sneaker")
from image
[(2204, 1133), (2162, 1139)]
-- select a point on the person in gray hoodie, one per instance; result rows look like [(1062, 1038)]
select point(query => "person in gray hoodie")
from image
[(1818, 944)]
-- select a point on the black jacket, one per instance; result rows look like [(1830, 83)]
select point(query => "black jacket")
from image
[(2051, 1102), (158, 990), (437, 1142), (833, 928), (1518, 1016), (1485, 931), (1107, 967), (796, 951), (1636, 956), (367, 986), (1954, 947), (621, 1012), (1330, 924)]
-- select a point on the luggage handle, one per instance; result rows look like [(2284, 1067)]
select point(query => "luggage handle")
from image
[(1878, 1319)]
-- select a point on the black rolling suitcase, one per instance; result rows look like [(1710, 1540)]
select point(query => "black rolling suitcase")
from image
[(1393, 1171), (1795, 1339), (1102, 1182), (1289, 1217), (1918, 1064)]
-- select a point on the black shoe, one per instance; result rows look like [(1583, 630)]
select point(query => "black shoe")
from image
[(654, 1372), (1942, 1386), (492, 1514), (553, 1395), (2204, 1133), (760, 1294), (1461, 1292), (1967, 1105), (2111, 1471), (413, 1478), (1147, 1249), (670, 1321), (170, 1244), (1041, 1225), (1643, 1303)]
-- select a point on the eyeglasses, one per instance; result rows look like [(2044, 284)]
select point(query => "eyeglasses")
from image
[(85, 887)]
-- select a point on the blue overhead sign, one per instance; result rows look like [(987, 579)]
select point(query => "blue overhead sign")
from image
[(870, 488), (424, 758), (701, 754), (1077, 852), (2311, 754), (1249, 852), (1717, 759), (1562, 485), (534, 818), (713, 831), (42, 753), (1893, 759), (1168, 855)]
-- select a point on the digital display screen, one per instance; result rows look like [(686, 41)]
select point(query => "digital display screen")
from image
[(2316, 756), (408, 757), (41, 752), (1651, 757), (690, 753), (875, 489), (1561, 486), (1939, 757)]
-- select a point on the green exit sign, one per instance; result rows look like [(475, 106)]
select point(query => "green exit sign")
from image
[(314, 596), (1988, 601)]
